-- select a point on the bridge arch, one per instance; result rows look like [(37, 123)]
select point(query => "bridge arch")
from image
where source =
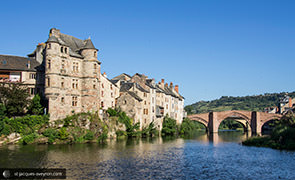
[(200, 120), (237, 116), (266, 120)]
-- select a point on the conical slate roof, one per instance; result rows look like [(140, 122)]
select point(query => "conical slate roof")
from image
[(52, 39), (88, 44)]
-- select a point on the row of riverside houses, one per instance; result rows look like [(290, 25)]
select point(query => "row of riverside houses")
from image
[(66, 72)]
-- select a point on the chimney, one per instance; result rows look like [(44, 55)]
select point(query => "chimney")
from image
[(166, 85), (55, 32), (290, 102), (176, 88), (171, 85), (29, 64), (162, 81), (105, 74)]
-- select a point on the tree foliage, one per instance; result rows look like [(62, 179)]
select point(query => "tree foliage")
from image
[(35, 106), (250, 103), (15, 98), (169, 126), (188, 126)]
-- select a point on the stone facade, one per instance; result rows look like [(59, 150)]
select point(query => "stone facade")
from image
[(66, 72), (156, 100)]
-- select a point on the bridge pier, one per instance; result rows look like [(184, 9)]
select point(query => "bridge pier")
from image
[(213, 122), (255, 124)]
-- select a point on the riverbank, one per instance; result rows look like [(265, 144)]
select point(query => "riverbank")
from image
[(84, 128), (282, 136)]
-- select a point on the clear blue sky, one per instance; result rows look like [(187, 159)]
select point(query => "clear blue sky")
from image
[(209, 48)]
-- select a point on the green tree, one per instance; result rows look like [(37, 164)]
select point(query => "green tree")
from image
[(15, 98), (169, 126), (35, 106)]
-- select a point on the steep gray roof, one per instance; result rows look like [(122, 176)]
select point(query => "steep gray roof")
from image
[(75, 45), (121, 77), (8, 62), (88, 44), (52, 39), (149, 83), (141, 88), (125, 87), (134, 95)]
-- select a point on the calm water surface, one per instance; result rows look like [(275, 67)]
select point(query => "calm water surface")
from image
[(219, 156)]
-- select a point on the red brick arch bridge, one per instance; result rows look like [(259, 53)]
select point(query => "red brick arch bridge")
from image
[(254, 119)]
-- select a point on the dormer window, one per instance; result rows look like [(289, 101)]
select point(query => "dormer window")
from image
[(66, 50)]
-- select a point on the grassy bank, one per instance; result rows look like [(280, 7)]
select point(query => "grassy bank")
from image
[(282, 136)]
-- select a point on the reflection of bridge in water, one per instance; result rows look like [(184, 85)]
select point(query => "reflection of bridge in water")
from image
[(252, 120)]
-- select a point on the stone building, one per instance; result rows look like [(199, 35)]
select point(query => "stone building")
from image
[(23, 70), (109, 92), (155, 100), (65, 70)]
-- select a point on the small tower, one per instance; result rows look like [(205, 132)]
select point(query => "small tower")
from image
[(91, 74), (89, 52)]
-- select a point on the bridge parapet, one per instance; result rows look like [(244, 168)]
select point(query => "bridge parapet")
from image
[(254, 119)]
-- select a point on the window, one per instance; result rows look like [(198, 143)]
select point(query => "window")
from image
[(66, 50), (102, 85), (145, 121), (125, 102), (166, 106), (112, 103), (48, 46), (62, 49), (32, 76), (111, 87), (32, 91), (48, 81), (144, 102), (94, 66), (94, 84), (74, 101), (153, 109), (75, 67), (75, 83), (63, 64), (95, 54), (112, 95), (144, 94), (48, 64), (62, 83), (101, 93), (101, 104), (62, 100)]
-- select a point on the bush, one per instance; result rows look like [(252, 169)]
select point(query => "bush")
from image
[(169, 126), (52, 134), (89, 135), (150, 130), (29, 139), (63, 134), (112, 112), (120, 133)]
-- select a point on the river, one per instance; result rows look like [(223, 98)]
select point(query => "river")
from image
[(219, 156)]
